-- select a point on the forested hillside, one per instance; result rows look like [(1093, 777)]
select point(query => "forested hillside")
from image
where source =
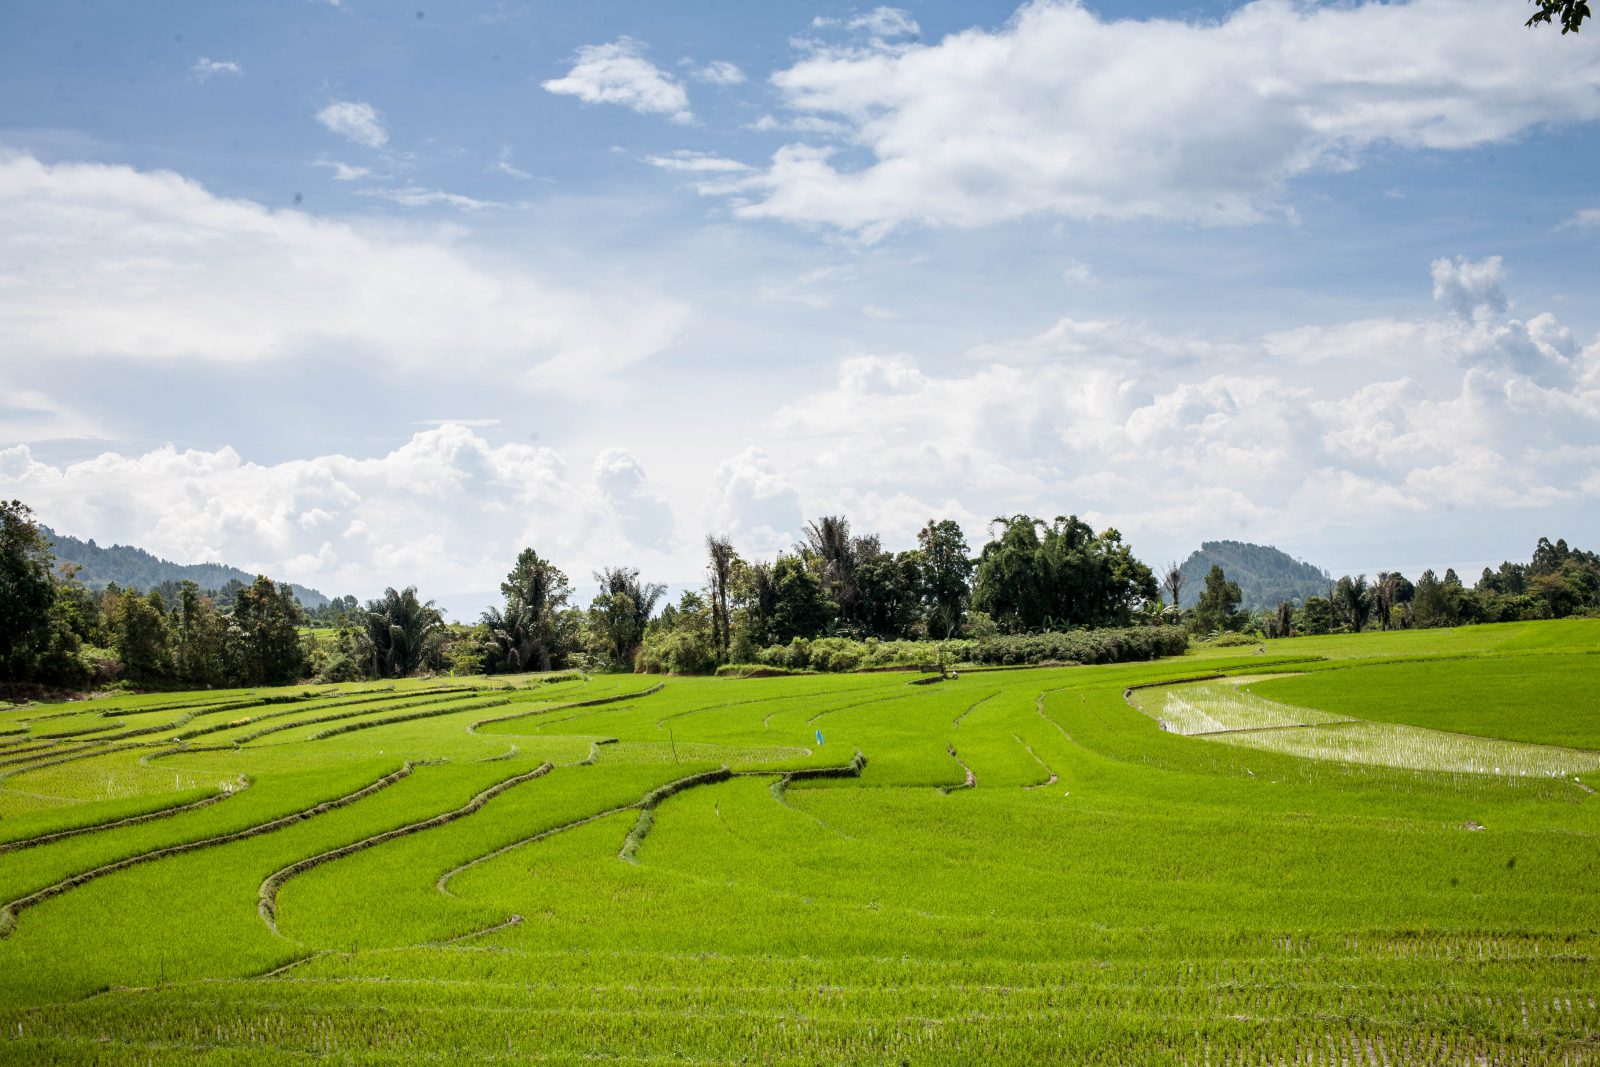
[(1267, 576), (135, 568)]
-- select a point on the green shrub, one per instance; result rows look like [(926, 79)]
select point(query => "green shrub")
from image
[(837, 654)]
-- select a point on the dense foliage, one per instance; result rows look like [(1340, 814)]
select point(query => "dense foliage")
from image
[(1037, 577), (833, 654), (1036, 592)]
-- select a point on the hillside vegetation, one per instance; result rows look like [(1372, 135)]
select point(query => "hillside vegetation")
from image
[(134, 568), (1266, 576), (1367, 848)]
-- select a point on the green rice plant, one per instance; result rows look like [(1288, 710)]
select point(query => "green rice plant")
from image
[(1107, 892)]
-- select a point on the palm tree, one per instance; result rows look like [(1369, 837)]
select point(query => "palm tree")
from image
[(531, 633), (404, 632)]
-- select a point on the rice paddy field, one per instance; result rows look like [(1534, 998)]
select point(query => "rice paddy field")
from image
[(1370, 849)]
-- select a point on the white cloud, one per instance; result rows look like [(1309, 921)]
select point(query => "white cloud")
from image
[(30, 415), (1470, 287), (881, 22), (355, 121), (641, 512), (799, 124), (618, 73), (719, 72), (110, 262), (697, 163), (1586, 219), (1064, 113), (417, 196), (1077, 272), (1184, 437), (503, 165), (447, 510), (754, 505), (204, 69), (343, 172)]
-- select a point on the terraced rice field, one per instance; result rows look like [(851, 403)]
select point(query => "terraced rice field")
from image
[(1376, 849)]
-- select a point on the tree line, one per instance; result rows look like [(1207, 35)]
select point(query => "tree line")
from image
[(1556, 583), (836, 600)]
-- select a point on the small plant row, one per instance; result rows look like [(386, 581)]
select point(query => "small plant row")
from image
[(10, 910), (615, 698), (431, 713), (653, 799), (94, 828), (267, 902)]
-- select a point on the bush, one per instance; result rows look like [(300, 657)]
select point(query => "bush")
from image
[(836, 654), (676, 652), (1233, 640)]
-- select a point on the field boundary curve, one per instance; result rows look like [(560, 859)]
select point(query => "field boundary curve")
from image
[(647, 807), (267, 902), (149, 816), (1052, 780), (10, 910), (972, 779), (614, 698), (955, 723), (430, 713)]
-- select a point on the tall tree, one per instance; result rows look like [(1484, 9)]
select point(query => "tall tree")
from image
[(531, 632), (799, 609), (405, 632), (1355, 600), (199, 638), (142, 639), (1172, 579), (26, 590), (946, 566), (827, 550), (621, 611), (1219, 603), (723, 560), (264, 636), (1038, 576), (1383, 598)]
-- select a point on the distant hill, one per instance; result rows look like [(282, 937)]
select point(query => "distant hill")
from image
[(1266, 575), (135, 568)]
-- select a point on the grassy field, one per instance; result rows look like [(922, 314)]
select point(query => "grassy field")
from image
[(1369, 849)]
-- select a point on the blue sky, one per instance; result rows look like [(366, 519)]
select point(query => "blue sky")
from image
[(369, 294)]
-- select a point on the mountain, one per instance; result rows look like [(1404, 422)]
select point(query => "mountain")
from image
[(135, 568), (1266, 575)]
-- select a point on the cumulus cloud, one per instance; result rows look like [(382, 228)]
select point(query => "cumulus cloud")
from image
[(205, 69), (755, 505), (1175, 435), (446, 510), (644, 516), (1470, 287), (111, 262), (355, 121), (618, 73), (1057, 112)]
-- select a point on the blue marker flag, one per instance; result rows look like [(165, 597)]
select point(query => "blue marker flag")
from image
[(819, 737)]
